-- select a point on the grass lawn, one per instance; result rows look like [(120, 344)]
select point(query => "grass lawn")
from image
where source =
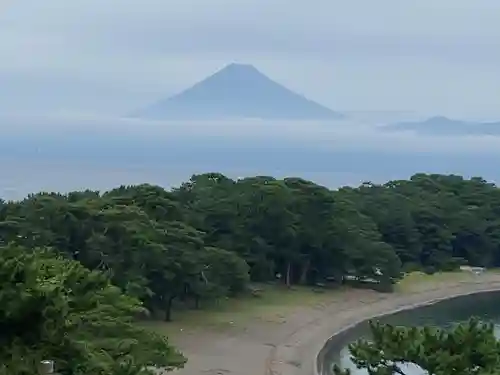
[(272, 305), (275, 303), (419, 281)]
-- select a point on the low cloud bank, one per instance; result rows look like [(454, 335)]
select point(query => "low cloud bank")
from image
[(329, 136)]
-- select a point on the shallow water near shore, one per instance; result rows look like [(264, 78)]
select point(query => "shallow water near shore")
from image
[(443, 314)]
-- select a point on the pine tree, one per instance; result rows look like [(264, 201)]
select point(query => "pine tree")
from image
[(54, 308), (467, 349)]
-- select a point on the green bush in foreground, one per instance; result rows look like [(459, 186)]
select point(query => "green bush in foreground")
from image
[(54, 308), (467, 349)]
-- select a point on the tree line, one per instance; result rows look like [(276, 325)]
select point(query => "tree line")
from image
[(154, 249)]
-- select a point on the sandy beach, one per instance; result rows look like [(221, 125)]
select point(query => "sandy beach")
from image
[(289, 343)]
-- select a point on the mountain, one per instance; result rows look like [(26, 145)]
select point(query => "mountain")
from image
[(238, 91), (440, 125)]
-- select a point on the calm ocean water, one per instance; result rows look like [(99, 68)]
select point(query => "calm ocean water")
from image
[(20, 178), (444, 314)]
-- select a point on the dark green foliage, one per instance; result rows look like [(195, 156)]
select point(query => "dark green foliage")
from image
[(208, 238), (54, 308), (467, 349), (163, 246)]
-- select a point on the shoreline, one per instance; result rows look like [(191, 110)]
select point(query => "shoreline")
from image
[(293, 344), (402, 303), (317, 366)]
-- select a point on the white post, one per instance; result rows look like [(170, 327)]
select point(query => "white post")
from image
[(47, 367)]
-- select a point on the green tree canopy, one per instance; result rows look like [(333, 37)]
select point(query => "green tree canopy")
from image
[(54, 308)]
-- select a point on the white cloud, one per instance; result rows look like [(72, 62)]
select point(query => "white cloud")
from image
[(328, 136)]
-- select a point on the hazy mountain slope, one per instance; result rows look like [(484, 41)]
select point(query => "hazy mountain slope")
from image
[(237, 91)]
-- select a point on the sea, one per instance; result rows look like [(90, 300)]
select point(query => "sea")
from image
[(64, 153)]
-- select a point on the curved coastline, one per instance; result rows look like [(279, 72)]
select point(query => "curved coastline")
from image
[(295, 343), (318, 365), (303, 349)]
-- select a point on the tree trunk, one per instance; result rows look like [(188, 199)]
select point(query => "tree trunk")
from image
[(288, 274), (305, 271), (197, 302), (168, 309)]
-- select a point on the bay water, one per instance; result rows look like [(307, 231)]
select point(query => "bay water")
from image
[(485, 306)]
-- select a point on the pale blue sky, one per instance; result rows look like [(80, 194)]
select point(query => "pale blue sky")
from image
[(111, 56)]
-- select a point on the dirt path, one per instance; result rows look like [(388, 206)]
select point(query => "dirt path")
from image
[(289, 345)]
